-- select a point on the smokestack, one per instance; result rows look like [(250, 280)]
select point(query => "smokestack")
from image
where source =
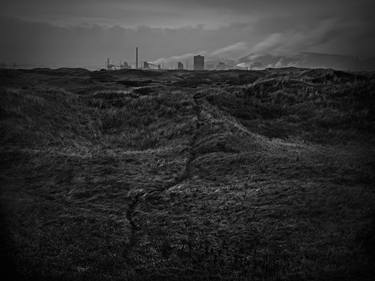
[(136, 58)]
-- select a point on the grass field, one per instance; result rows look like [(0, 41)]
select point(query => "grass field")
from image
[(180, 175)]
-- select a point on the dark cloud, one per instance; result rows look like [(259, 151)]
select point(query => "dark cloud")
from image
[(173, 12)]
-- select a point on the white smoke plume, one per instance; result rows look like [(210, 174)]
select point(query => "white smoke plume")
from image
[(232, 51), (296, 41), (288, 43)]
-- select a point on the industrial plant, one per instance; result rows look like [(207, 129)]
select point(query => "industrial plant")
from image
[(198, 64)]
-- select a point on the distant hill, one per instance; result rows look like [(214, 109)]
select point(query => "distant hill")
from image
[(307, 60)]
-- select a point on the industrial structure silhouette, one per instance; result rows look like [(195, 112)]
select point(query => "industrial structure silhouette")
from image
[(198, 64)]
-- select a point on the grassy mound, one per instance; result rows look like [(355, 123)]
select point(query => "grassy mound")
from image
[(169, 175)]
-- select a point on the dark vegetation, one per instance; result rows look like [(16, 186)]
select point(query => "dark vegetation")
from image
[(221, 175)]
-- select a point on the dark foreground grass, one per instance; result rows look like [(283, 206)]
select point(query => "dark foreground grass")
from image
[(227, 175)]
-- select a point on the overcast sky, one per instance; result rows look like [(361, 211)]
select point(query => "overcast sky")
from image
[(85, 32)]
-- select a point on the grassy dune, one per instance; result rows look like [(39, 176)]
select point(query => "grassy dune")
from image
[(221, 175)]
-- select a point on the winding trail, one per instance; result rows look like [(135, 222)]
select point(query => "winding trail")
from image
[(138, 198)]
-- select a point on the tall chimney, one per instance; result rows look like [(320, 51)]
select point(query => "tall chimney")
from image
[(136, 58)]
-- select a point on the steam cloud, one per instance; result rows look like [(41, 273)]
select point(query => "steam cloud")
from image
[(295, 41), (290, 42), (232, 51)]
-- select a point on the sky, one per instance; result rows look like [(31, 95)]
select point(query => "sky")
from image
[(84, 33)]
